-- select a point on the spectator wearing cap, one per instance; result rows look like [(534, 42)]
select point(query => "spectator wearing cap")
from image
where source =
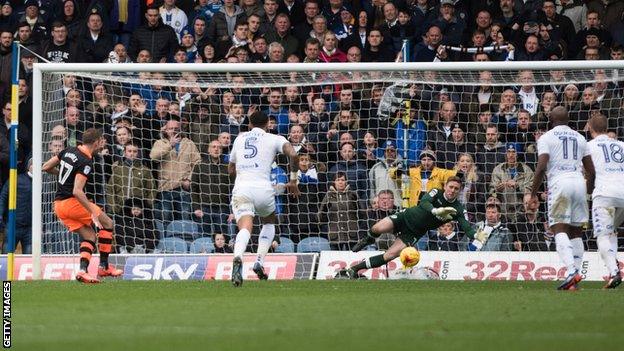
[(448, 152), (223, 22), (491, 153), (27, 59), (451, 25), (379, 177), (511, 180), (8, 17), (424, 177), (36, 21), (593, 24), (411, 139), (154, 36), (425, 51), (280, 33), (187, 41), (94, 44), (172, 16)]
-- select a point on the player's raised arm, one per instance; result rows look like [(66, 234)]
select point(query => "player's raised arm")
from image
[(50, 165), (590, 173), (293, 159)]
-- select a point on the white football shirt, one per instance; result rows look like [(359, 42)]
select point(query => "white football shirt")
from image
[(608, 157), (566, 148), (253, 153)]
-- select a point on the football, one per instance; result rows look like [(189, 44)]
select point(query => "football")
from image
[(409, 257)]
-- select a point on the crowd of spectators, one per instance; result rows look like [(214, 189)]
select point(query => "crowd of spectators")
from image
[(169, 144)]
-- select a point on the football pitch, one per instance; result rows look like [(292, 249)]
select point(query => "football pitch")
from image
[(314, 315)]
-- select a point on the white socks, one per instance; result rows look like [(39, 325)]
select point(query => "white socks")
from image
[(242, 239), (267, 233), (565, 251), (607, 246), (577, 249)]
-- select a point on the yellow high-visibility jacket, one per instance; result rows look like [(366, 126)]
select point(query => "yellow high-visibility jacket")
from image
[(436, 181)]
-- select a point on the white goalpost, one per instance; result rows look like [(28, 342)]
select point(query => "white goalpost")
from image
[(330, 112)]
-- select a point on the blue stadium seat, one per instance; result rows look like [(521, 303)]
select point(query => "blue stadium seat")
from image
[(286, 245), (202, 245), (313, 245), (160, 227), (187, 230), (173, 245)]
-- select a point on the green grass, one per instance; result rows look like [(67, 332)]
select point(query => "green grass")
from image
[(314, 315)]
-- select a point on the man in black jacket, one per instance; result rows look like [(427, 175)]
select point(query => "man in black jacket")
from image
[(211, 190), (93, 44), (156, 37)]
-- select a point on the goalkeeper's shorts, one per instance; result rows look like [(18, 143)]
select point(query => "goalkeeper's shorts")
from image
[(72, 214), (403, 231)]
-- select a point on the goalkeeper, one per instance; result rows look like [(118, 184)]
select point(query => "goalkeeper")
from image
[(436, 208)]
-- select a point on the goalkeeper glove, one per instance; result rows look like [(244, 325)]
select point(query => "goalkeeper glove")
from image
[(481, 236), (444, 213)]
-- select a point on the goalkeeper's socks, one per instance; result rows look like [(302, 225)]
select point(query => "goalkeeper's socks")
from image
[(240, 245), (608, 252), (105, 245), (86, 250), (267, 233), (370, 262), (565, 251), (577, 250)]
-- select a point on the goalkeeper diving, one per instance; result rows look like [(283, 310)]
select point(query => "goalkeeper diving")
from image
[(437, 207)]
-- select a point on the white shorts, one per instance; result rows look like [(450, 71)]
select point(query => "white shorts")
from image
[(607, 214), (253, 201), (567, 202)]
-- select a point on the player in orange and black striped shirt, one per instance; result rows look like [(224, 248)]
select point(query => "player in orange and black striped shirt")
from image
[(75, 210)]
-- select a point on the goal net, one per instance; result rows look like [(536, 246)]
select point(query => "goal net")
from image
[(371, 139)]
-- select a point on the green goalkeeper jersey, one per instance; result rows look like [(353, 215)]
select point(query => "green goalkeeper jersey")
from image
[(415, 221)]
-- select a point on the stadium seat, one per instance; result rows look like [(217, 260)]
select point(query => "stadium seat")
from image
[(173, 245), (313, 245), (202, 245), (160, 227), (286, 245), (187, 230)]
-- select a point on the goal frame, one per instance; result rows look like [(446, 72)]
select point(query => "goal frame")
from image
[(40, 68)]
